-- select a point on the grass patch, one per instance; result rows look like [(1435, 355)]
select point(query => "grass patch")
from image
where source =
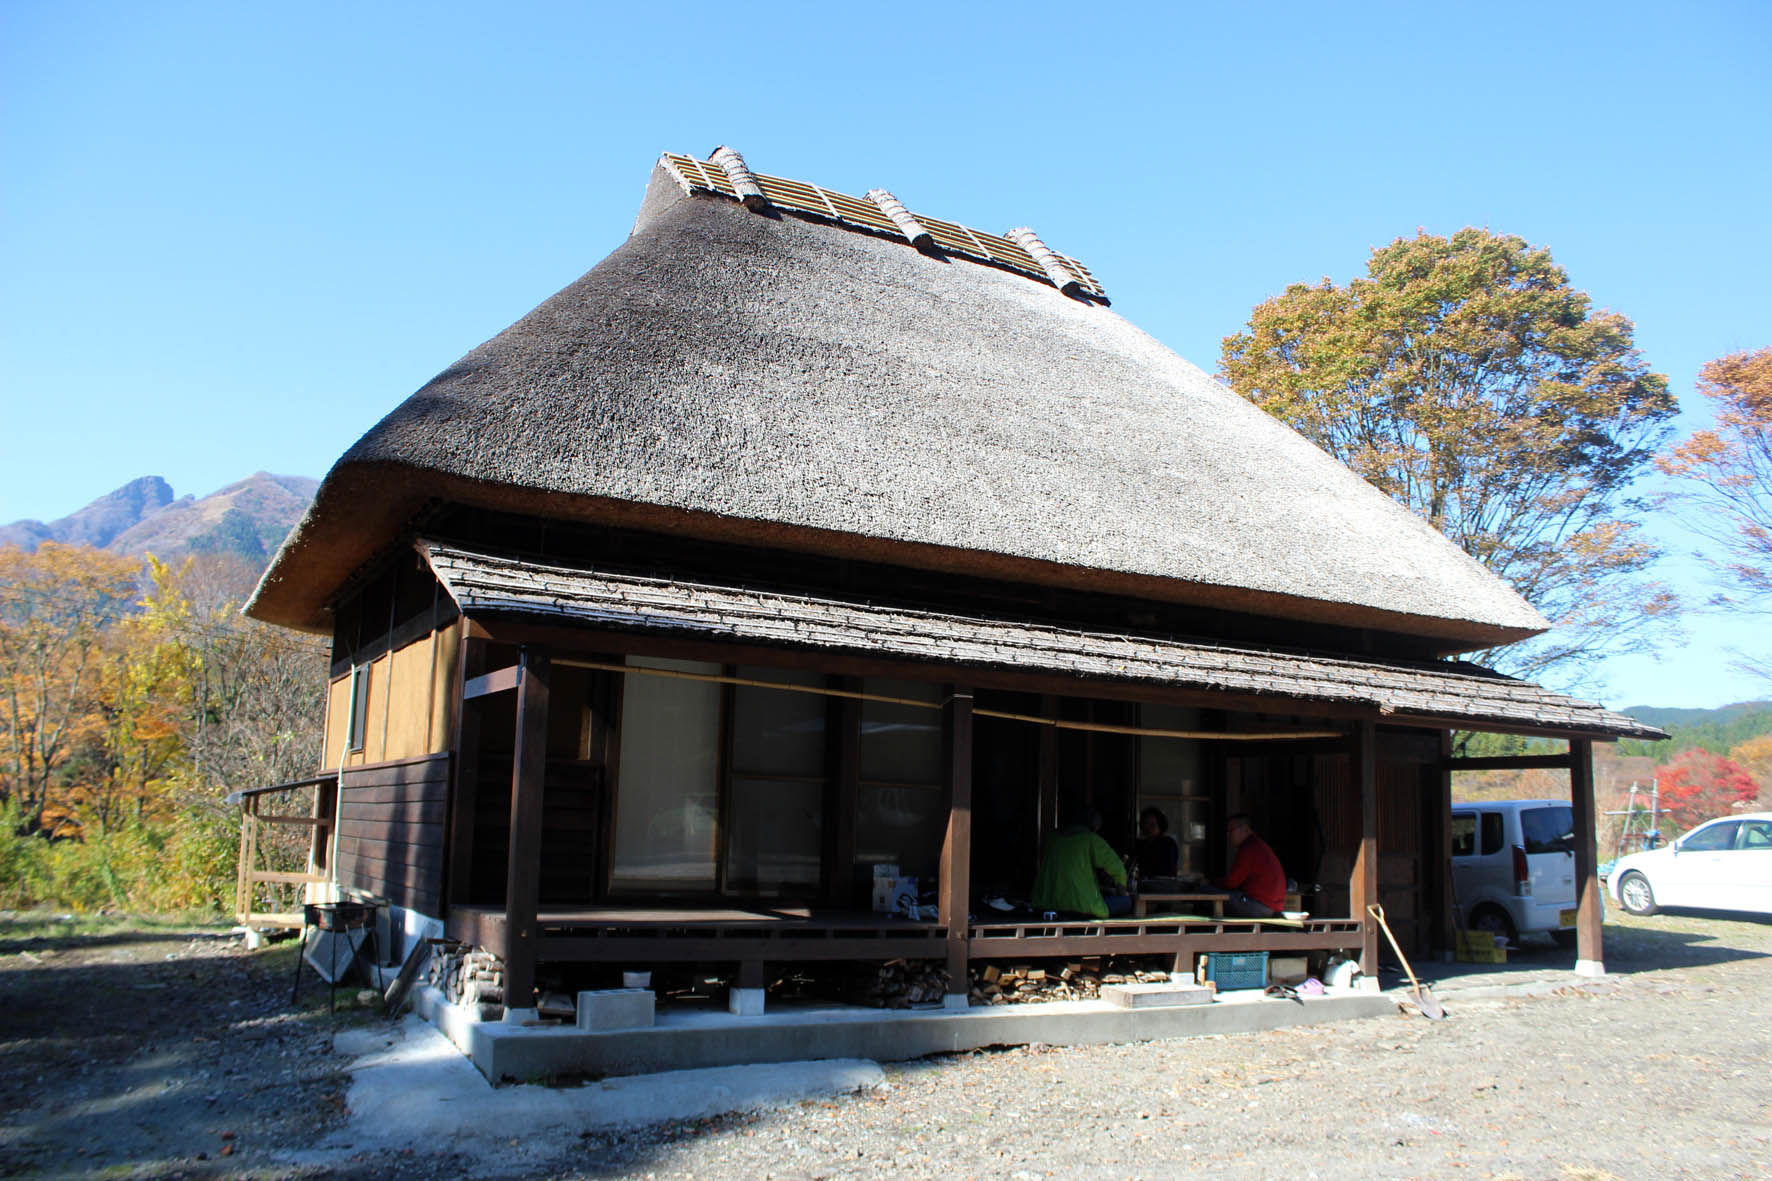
[(51, 926)]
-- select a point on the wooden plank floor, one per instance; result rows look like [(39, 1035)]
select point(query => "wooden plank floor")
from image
[(670, 916)]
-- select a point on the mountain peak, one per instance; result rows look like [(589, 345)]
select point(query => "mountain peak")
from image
[(248, 517)]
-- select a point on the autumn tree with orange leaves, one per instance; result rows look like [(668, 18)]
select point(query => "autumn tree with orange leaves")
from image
[(57, 608), (1468, 379), (1723, 483)]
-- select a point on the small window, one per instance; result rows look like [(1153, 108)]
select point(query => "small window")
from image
[(359, 724), (1491, 833), (1464, 834), (1712, 837), (1756, 834), (1548, 830)]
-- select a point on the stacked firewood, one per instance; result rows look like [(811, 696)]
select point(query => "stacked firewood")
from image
[(1080, 980), (471, 978), (903, 983)]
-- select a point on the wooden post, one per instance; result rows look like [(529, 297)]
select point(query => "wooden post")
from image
[(523, 879), (243, 883), (458, 883), (1363, 887), (1589, 960), (956, 848), (1048, 822), (1439, 881), (843, 719)]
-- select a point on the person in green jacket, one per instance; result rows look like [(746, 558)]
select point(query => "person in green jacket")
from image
[(1066, 879)]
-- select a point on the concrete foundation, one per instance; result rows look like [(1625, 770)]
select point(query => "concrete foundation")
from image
[(694, 1039), (744, 1002), (606, 1010)]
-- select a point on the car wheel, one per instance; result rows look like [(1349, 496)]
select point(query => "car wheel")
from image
[(1636, 895), (1494, 920)]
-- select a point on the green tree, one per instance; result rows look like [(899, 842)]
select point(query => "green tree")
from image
[(1467, 379), (1723, 483)]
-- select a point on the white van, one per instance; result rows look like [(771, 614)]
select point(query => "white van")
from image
[(1513, 867)]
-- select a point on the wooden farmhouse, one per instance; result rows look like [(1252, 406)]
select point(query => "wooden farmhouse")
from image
[(805, 535)]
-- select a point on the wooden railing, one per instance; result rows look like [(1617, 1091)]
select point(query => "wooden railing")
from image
[(260, 880)]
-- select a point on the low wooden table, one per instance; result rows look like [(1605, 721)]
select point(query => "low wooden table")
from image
[(1142, 902)]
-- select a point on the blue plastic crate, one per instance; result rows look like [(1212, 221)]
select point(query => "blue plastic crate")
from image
[(1234, 969)]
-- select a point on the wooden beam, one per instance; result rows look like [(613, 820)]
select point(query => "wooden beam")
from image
[(1555, 762), (642, 949), (1363, 887), (458, 883), (843, 719), (499, 681), (1589, 959), (567, 637), (478, 927), (579, 639), (288, 879), (529, 767), (1048, 770), (1440, 875), (956, 847)]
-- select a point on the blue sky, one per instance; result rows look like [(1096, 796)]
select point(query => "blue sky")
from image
[(235, 235)]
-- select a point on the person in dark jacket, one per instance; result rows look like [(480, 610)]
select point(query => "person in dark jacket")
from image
[(1158, 854)]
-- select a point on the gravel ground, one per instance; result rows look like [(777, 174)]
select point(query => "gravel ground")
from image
[(153, 1050), (1660, 1070)]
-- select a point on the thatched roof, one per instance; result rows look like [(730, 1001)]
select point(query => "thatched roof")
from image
[(773, 379), (1439, 692)]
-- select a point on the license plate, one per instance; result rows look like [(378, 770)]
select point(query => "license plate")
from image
[(1566, 918)]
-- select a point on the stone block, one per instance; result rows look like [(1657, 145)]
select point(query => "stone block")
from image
[(745, 1002), (608, 1009), (1156, 996)]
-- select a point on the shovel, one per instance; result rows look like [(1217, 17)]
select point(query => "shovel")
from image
[(1418, 993)]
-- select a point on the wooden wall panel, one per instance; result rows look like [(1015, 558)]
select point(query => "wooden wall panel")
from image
[(442, 720), (1406, 863), (390, 831), (338, 720), (409, 701)]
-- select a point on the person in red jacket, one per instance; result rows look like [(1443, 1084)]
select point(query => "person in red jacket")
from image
[(1255, 887)]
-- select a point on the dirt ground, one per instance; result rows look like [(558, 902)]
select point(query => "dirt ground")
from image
[(162, 1050)]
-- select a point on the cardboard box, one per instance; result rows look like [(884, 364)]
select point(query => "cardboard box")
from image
[(885, 881), (1288, 969)]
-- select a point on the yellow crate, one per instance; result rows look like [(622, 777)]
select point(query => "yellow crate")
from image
[(1478, 947)]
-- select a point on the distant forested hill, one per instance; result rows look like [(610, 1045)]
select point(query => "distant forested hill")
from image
[(248, 518), (1715, 730)]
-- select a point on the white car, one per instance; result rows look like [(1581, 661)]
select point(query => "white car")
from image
[(1723, 864)]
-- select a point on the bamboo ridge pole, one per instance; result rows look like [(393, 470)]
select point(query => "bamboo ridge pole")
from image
[(916, 703)]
